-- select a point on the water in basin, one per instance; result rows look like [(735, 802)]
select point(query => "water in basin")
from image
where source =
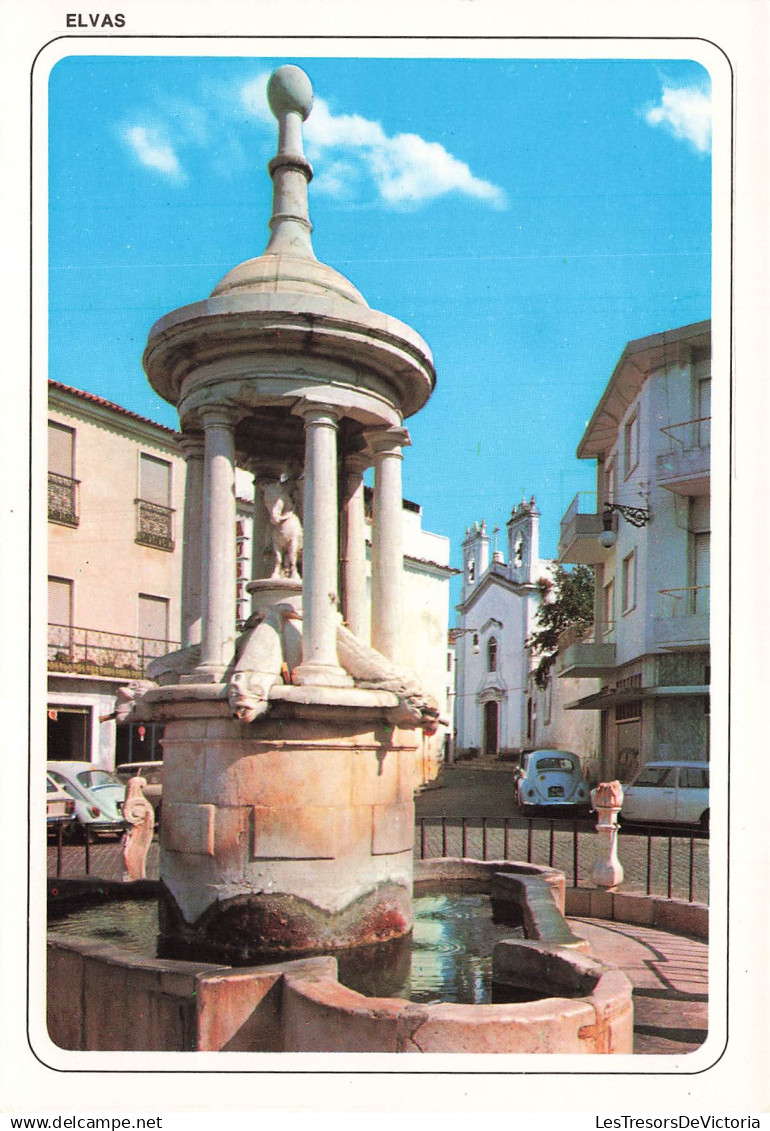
[(448, 957)]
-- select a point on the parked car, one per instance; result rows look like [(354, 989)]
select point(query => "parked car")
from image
[(551, 778), (152, 772), (98, 795), (59, 806), (675, 792)]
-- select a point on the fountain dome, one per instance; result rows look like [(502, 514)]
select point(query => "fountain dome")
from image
[(279, 310)]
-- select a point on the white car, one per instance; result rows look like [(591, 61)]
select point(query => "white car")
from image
[(98, 795), (669, 792), (59, 806), (551, 778)]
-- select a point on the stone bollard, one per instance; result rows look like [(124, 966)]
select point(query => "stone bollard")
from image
[(138, 813), (607, 799)]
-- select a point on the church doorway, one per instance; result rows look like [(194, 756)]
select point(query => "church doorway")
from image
[(491, 728)]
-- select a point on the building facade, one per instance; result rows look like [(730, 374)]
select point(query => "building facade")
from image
[(646, 532), (115, 497), (499, 600), (116, 489)]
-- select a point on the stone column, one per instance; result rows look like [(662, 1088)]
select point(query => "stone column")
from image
[(354, 547), (387, 539), (320, 598), (191, 446), (218, 540)]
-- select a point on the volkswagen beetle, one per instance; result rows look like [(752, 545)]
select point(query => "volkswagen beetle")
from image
[(548, 779)]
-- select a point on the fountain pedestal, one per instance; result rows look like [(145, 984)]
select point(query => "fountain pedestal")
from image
[(287, 836)]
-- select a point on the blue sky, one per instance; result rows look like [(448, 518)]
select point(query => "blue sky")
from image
[(526, 217)]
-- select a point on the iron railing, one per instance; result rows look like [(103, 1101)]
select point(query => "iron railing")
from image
[(63, 499), (692, 600), (656, 860), (89, 651), (154, 525), (689, 434)]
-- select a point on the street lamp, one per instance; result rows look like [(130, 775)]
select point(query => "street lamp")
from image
[(637, 516)]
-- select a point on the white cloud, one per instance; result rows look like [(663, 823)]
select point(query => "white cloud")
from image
[(409, 169), (152, 151), (253, 95), (686, 113), (405, 170)]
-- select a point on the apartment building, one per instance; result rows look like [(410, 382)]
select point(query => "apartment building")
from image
[(115, 499), (646, 532), (116, 486)]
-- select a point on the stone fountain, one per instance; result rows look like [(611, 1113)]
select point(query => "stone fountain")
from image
[(292, 750)]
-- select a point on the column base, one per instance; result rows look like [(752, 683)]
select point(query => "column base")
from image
[(205, 674), (321, 675)]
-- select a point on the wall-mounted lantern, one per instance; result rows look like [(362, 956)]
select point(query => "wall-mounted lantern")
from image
[(637, 516)]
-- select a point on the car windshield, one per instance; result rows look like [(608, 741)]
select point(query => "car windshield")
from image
[(566, 765), (51, 786), (98, 779)]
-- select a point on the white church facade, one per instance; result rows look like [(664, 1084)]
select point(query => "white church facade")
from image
[(499, 711), (497, 610)]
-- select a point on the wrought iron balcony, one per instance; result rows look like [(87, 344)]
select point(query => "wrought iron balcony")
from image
[(154, 525), (63, 499), (88, 651)]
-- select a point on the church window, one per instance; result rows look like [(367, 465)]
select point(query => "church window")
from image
[(492, 655)]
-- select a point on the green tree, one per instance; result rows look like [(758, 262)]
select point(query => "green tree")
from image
[(566, 601)]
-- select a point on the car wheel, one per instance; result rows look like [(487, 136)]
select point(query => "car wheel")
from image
[(705, 821)]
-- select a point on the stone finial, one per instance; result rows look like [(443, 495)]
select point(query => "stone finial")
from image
[(290, 97), (607, 795)]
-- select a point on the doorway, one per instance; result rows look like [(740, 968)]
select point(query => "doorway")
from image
[(491, 716), (69, 734)]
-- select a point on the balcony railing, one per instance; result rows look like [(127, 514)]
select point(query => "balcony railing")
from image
[(583, 503), (691, 601), (88, 651), (587, 634), (154, 525), (62, 499), (689, 434)]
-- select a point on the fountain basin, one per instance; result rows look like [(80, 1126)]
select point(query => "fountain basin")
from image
[(108, 999)]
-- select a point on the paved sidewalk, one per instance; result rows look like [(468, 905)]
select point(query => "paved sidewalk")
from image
[(670, 977)]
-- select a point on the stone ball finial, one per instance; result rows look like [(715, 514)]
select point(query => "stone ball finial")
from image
[(289, 89)]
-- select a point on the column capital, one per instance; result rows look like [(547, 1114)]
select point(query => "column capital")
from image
[(264, 469), (318, 412), (388, 441), (222, 415), (191, 445), (356, 463)]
